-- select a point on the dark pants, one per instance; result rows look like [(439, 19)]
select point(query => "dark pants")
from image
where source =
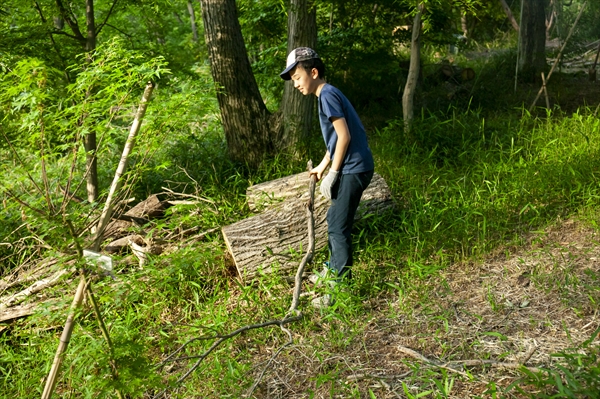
[(345, 193)]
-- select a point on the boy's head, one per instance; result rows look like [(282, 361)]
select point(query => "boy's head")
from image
[(306, 58)]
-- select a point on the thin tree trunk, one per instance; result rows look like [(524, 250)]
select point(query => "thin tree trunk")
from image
[(193, 20), (249, 127), (297, 109), (464, 26), (509, 15), (88, 42), (551, 18), (413, 70), (89, 140), (532, 57)]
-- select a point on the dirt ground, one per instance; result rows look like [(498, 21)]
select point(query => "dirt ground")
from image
[(515, 307)]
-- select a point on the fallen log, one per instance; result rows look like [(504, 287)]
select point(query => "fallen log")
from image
[(150, 207), (275, 239)]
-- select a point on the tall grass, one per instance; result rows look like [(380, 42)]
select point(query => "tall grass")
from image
[(466, 185)]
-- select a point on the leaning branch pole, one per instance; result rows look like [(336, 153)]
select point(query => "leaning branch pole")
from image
[(558, 57), (116, 183), (65, 338)]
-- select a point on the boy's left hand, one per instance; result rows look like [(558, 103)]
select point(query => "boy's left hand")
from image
[(328, 183)]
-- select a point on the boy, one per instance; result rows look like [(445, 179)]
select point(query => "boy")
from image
[(348, 152)]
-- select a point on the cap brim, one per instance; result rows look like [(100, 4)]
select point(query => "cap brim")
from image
[(285, 75)]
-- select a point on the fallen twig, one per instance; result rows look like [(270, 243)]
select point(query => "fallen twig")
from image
[(219, 341), (450, 366), (366, 376), (27, 276), (169, 191)]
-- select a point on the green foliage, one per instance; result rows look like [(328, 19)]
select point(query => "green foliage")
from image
[(43, 123), (472, 176)]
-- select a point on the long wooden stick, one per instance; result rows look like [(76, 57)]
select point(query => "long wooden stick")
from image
[(116, 183), (559, 56), (545, 91), (65, 338), (510, 15), (111, 351), (311, 241)]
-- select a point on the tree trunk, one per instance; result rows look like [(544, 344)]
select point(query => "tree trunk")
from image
[(413, 71), (249, 127), (509, 15), (277, 238), (89, 140), (193, 20), (532, 51), (464, 26), (298, 109), (88, 42)]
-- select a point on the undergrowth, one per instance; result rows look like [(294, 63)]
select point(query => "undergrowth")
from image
[(464, 185)]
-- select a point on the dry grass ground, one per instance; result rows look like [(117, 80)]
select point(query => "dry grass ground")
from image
[(515, 306)]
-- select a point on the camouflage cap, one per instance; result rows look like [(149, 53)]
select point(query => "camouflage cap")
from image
[(297, 55)]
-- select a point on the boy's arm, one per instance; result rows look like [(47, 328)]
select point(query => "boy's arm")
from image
[(320, 169), (343, 141)]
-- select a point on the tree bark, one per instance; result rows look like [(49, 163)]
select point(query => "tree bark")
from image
[(532, 51), (190, 7), (249, 127), (413, 71), (271, 240), (88, 42), (509, 15), (89, 140), (296, 108)]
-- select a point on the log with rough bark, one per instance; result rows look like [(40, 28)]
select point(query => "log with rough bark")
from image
[(275, 239)]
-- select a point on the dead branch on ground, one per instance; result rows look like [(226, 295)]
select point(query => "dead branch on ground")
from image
[(288, 318), (451, 365), (33, 289)]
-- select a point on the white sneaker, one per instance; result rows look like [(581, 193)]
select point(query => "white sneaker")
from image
[(325, 275), (322, 302)]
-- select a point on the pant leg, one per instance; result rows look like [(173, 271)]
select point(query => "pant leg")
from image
[(346, 195)]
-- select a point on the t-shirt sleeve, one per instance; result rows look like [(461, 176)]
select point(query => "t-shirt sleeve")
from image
[(332, 105)]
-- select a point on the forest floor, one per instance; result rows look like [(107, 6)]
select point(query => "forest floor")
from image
[(519, 305)]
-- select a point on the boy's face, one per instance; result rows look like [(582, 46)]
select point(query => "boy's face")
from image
[(305, 81)]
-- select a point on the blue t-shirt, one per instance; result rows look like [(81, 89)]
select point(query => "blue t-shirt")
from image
[(333, 103)]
